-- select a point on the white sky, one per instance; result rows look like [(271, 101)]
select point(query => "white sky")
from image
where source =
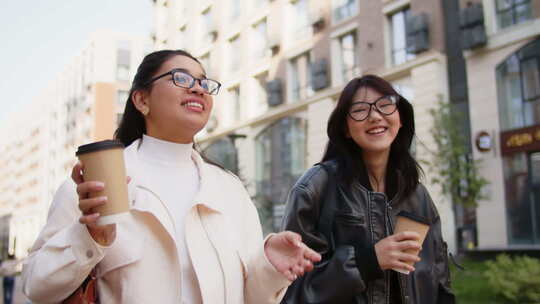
[(39, 38)]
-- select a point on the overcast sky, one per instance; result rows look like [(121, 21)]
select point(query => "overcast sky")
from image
[(39, 37)]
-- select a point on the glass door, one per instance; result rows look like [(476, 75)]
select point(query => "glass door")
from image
[(534, 173)]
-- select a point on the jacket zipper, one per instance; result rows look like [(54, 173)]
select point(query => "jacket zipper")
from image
[(402, 293), (387, 273)]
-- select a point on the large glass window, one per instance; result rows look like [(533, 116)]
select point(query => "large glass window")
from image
[(510, 12), (223, 152), (522, 183), (348, 48), (280, 160), (518, 85), (399, 37), (344, 9), (300, 77)]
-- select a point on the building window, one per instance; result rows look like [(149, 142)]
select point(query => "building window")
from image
[(399, 37), (236, 105), (234, 10), (518, 86), (344, 9), (234, 54), (349, 56), (280, 160), (121, 99), (510, 12), (301, 23), (300, 77), (182, 37), (123, 60), (206, 63), (260, 40), (207, 28), (261, 96), (223, 152)]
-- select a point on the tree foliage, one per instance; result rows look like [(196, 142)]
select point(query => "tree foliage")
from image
[(454, 168)]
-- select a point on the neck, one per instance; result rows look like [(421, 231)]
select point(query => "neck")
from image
[(376, 163), (174, 137)]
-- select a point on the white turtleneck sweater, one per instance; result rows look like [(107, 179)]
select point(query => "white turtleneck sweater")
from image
[(176, 181)]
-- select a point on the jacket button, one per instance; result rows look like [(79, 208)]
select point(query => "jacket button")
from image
[(89, 254), (406, 299)]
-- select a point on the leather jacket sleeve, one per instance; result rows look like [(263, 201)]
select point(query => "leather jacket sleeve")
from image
[(338, 277)]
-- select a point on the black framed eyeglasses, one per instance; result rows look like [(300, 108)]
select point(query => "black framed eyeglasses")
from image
[(183, 79), (386, 105)]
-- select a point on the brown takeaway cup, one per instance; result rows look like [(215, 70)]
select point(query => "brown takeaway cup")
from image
[(104, 161), (404, 222)]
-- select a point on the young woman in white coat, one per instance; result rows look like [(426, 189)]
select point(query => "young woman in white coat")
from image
[(193, 234)]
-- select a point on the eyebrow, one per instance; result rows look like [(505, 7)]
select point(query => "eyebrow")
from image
[(203, 76)]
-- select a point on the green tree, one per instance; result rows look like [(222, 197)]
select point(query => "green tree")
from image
[(454, 168)]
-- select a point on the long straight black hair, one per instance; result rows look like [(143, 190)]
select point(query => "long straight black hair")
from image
[(403, 172), (132, 125)]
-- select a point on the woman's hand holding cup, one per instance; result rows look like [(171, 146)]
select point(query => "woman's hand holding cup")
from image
[(104, 235), (391, 251)]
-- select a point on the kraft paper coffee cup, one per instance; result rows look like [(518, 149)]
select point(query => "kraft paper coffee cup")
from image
[(104, 161), (404, 222)]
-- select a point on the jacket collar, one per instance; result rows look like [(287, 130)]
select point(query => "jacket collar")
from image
[(210, 178)]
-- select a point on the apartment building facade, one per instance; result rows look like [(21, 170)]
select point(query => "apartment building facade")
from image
[(283, 64), (83, 104), (502, 56)]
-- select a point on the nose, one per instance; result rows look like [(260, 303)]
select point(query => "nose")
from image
[(197, 88), (374, 114)]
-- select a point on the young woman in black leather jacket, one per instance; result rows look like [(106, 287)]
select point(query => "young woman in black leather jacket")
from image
[(346, 208)]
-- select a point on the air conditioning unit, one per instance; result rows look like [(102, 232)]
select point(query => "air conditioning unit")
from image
[(417, 28), (473, 31), (273, 44), (319, 74), (317, 20), (274, 91)]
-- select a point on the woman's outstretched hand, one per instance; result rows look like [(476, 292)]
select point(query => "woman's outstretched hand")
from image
[(289, 255)]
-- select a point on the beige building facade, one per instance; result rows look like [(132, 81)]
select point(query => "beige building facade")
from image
[(283, 64), (504, 98)]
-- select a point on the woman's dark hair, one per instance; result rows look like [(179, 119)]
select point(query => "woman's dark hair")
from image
[(403, 172), (132, 126)]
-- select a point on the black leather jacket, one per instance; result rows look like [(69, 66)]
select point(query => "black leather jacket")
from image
[(349, 271)]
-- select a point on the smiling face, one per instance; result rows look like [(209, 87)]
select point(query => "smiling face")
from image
[(173, 113), (376, 133)]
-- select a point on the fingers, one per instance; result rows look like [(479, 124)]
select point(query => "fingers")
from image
[(290, 276), (293, 238), (406, 235), (86, 205), (76, 173), (83, 189), (311, 255), (405, 245), (89, 219), (128, 179)]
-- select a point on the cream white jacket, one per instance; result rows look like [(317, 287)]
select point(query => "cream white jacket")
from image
[(223, 235)]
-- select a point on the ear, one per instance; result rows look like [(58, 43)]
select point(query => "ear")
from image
[(140, 101)]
